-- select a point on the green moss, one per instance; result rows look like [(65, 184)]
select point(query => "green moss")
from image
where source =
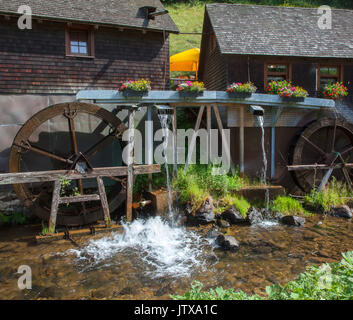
[(230, 200)]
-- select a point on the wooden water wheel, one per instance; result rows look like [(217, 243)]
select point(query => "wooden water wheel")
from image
[(323, 150), (51, 140)]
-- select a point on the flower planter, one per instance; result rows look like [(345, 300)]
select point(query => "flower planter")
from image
[(241, 95), (134, 94), (293, 99), (190, 94)]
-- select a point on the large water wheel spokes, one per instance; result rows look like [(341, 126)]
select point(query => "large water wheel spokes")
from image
[(55, 138), (324, 150)]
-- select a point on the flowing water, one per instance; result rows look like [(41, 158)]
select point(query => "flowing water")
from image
[(165, 120), (260, 120), (152, 260)]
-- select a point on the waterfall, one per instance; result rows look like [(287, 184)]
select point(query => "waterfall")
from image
[(165, 120), (260, 120)]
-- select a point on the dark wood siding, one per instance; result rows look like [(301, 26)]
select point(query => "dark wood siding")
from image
[(34, 61), (237, 70), (304, 75), (348, 82), (213, 68)]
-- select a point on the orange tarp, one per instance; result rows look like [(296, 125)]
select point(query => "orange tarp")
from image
[(185, 61)]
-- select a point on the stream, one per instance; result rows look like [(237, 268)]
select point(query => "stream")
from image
[(153, 259)]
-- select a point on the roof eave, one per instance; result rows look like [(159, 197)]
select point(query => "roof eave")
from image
[(281, 55), (115, 25)]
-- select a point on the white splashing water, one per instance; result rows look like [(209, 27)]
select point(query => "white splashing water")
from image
[(162, 249)]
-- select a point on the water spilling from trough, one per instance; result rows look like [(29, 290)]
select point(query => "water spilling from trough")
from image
[(260, 119)]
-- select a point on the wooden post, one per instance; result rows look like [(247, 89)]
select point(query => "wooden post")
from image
[(325, 179), (130, 160), (193, 138), (275, 117), (54, 206), (149, 144), (208, 119), (104, 202), (175, 143), (224, 140), (241, 142)]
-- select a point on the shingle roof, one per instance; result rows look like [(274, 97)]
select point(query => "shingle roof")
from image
[(280, 31), (110, 12)]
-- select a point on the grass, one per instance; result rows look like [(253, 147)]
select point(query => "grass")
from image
[(241, 204), (336, 193), (199, 182), (287, 205), (330, 281), (189, 19)]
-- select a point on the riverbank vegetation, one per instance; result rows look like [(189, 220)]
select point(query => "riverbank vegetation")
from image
[(336, 193), (329, 281), (199, 182), (288, 206)]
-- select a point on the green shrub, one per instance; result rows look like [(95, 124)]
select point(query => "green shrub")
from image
[(335, 193), (239, 203), (287, 205), (330, 281), (199, 182), (196, 293), (15, 218)]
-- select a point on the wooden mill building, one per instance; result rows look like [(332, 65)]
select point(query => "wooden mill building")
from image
[(74, 45), (243, 43)]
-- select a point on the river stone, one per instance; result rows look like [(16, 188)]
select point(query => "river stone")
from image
[(205, 213), (213, 234), (227, 242), (233, 216), (342, 211), (293, 221), (253, 216), (223, 223), (188, 209)]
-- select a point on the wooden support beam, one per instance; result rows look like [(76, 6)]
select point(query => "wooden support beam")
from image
[(208, 120), (149, 143), (43, 176), (175, 143), (275, 116), (54, 206), (79, 198), (325, 179), (319, 166), (224, 139), (130, 160), (193, 138), (241, 142), (104, 202)]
